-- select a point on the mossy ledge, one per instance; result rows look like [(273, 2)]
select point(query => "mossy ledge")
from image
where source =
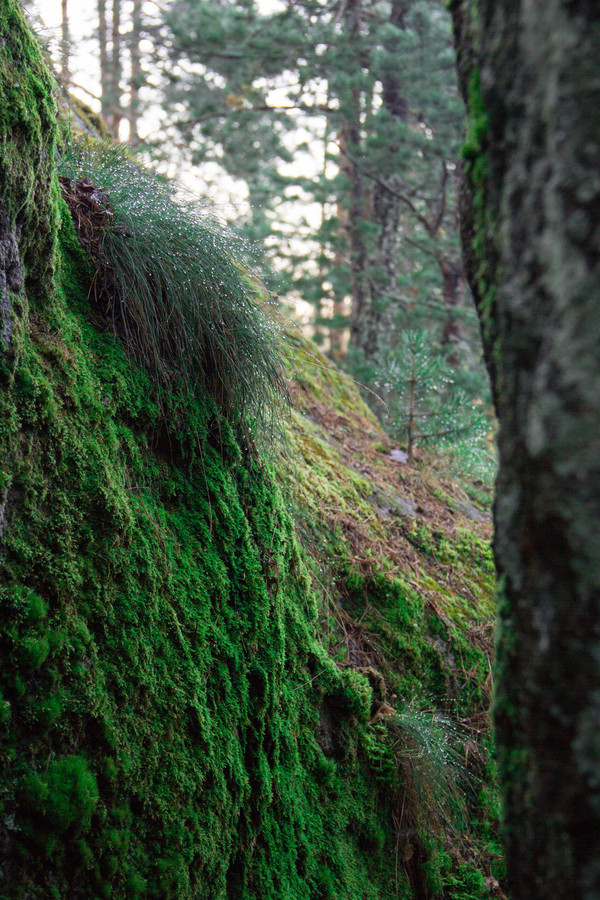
[(173, 723)]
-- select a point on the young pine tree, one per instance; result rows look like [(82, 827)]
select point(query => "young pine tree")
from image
[(424, 405)]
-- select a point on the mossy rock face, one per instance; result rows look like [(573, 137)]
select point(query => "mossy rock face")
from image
[(162, 679), (177, 719), (400, 556), (29, 131), (160, 714)]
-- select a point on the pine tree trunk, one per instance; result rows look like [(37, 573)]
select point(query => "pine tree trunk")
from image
[(452, 273), (372, 320), (65, 49), (116, 113), (387, 209), (529, 71), (136, 72), (350, 149), (110, 65), (105, 76)]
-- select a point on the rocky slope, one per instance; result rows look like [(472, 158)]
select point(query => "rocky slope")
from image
[(223, 675)]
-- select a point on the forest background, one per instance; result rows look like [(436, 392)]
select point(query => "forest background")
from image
[(328, 134)]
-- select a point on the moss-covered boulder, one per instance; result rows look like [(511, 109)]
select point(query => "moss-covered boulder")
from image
[(179, 716)]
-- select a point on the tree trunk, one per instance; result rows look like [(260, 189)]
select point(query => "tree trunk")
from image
[(374, 269), (136, 72), (350, 150), (65, 48), (116, 113), (529, 72), (110, 66), (105, 77), (452, 273)]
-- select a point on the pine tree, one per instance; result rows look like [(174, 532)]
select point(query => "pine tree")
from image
[(425, 407), (373, 86)]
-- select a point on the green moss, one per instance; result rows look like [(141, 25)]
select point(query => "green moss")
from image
[(405, 597), (66, 795), (173, 722), (314, 375), (28, 135), (160, 710), (160, 621), (477, 123), (476, 168)]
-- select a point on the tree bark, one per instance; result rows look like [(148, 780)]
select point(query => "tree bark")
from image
[(116, 113), (452, 273), (136, 72), (529, 73), (374, 269), (105, 77), (65, 48), (110, 65), (350, 149)]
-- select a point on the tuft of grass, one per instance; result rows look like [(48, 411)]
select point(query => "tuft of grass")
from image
[(431, 802), (426, 745), (419, 754), (169, 282)]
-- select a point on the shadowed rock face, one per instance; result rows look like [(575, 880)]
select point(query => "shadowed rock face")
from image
[(11, 270)]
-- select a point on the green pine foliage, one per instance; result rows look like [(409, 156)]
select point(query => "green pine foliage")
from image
[(221, 110), (367, 97), (426, 408)]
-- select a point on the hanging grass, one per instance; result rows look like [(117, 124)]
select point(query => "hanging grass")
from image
[(168, 281), (419, 754), (434, 776), (433, 790)]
